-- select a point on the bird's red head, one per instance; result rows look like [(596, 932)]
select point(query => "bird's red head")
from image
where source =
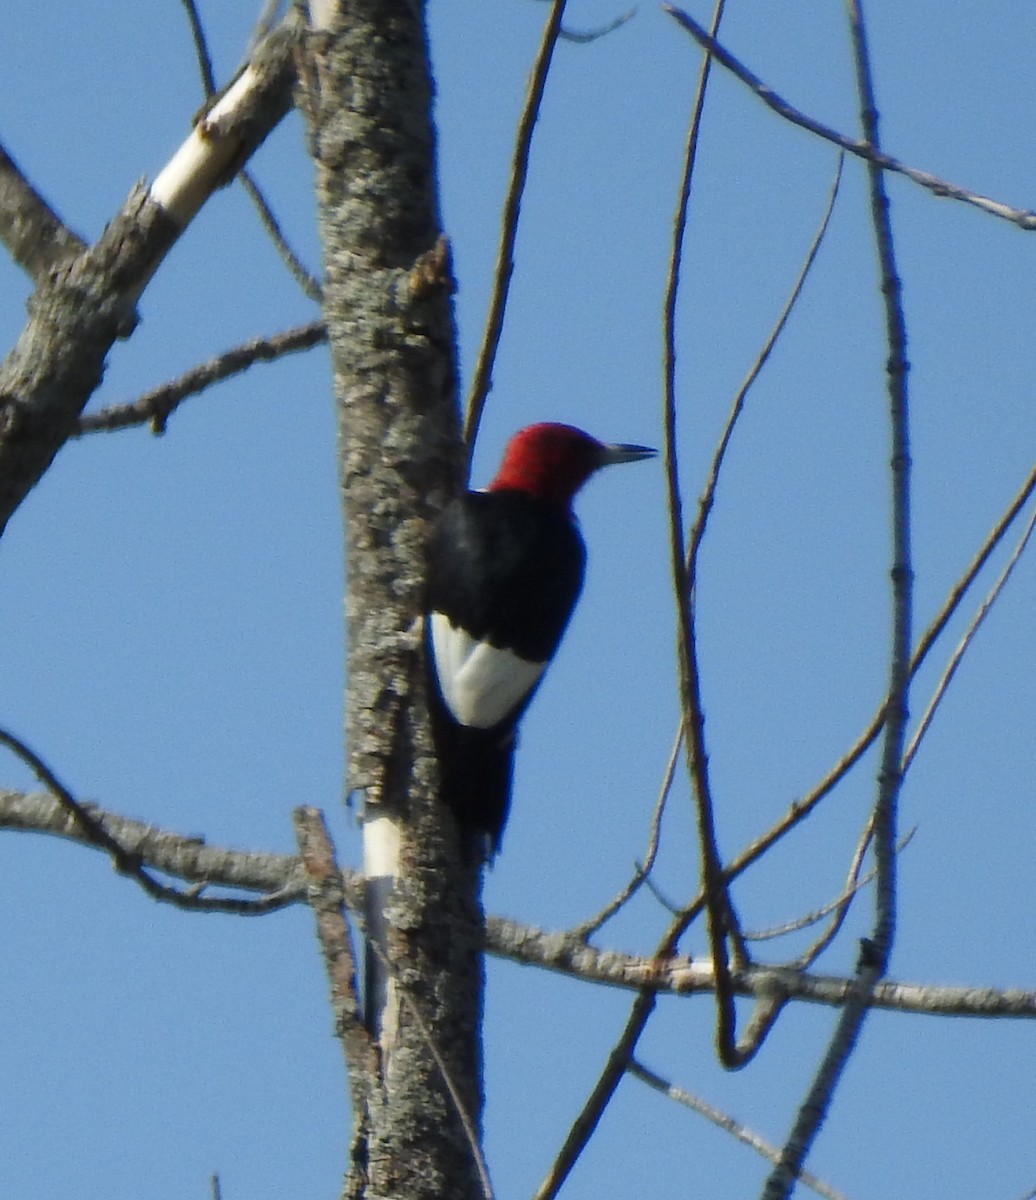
[(552, 462)]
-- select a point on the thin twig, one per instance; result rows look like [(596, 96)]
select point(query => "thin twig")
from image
[(201, 48), (708, 496), (300, 273), (853, 887), (584, 1125), (722, 921), (126, 863), (746, 1136), (966, 640), (875, 951), (583, 36), (643, 870), (483, 379), (842, 906), (801, 808), (855, 883), (157, 406), (1022, 217)]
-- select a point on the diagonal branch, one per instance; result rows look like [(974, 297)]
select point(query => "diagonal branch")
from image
[(593, 1109), (201, 47), (801, 808), (743, 1134), (77, 315), (483, 380), (39, 241), (266, 214), (83, 822), (1022, 217), (966, 640), (158, 405)]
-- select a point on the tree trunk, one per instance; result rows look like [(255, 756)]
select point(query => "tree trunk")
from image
[(367, 96)]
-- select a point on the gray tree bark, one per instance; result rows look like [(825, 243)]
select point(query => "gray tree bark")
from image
[(367, 93)]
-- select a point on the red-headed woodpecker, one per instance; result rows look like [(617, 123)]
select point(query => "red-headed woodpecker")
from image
[(505, 568)]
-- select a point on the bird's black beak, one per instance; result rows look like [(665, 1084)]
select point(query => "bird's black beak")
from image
[(623, 453)]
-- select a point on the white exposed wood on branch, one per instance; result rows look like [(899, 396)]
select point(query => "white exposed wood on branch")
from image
[(202, 162), (78, 311)]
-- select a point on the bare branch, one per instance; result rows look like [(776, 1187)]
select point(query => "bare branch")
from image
[(201, 47), (875, 952), (303, 277), (95, 831), (326, 898), (229, 129), (483, 379), (1022, 217), (283, 877), (158, 405), (746, 1136), (966, 640), (589, 1117), (186, 857), (38, 240), (679, 976), (643, 870), (79, 312), (201, 50), (584, 36), (722, 920)]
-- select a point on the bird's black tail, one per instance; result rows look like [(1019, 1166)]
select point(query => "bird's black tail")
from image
[(476, 767)]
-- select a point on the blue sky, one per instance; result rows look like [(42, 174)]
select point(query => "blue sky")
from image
[(173, 605)]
